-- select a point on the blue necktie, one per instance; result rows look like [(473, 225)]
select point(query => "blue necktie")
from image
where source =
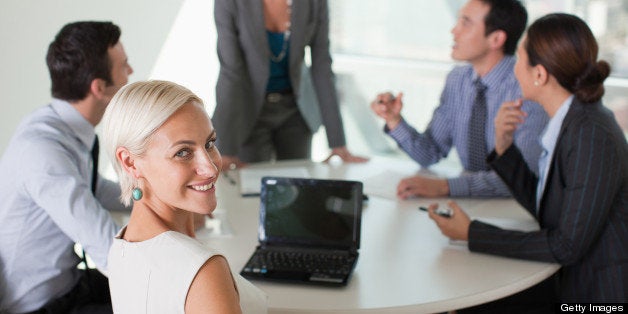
[(477, 130)]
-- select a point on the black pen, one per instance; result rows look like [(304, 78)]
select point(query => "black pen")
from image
[(447, 213)]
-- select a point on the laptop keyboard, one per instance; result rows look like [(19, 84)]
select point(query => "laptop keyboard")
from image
[(323, 265)]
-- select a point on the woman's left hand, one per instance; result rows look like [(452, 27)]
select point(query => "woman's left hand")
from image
[(345, 155), (455, 227), (509, 116)]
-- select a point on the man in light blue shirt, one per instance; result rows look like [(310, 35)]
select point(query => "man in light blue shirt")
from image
[(46, 181), (485, 36)]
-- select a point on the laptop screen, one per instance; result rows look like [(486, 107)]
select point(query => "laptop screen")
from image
[(310, 212)]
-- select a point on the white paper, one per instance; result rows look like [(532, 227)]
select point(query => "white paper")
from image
[(383, 184), (251, 178)]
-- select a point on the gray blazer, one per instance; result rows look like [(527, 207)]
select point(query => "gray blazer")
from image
[(583, 212), (244, 56)]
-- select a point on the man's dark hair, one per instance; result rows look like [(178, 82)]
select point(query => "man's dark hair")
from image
[(78, 55), (509, 16)]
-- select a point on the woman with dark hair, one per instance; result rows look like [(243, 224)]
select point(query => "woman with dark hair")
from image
[(580, 197)]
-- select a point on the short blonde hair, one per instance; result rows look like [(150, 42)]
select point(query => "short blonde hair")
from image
[(132, 117)]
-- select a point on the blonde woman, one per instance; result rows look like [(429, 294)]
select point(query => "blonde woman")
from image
[(162, 143)]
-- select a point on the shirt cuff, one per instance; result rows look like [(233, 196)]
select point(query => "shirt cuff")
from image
[(401, 132), (458, 187)]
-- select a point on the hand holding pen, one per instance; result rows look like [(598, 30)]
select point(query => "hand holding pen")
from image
[(443, 212), (452, 222), (388, 107)]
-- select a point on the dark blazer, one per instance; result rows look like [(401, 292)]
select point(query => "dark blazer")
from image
[(244, 56), (583, 213)]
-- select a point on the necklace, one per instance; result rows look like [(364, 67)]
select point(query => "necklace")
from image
[(286, 36)]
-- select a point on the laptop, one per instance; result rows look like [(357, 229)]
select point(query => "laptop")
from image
[(309, 231)]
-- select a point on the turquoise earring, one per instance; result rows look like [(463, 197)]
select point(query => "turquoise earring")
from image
[(137, 194)]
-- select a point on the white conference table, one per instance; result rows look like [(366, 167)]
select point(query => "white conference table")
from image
[(405, 266)]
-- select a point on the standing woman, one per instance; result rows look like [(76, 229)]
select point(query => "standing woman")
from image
[(162, 144), (262, 112), (580, 197)]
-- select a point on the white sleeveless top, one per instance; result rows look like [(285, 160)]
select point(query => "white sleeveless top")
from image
[(154, 276)]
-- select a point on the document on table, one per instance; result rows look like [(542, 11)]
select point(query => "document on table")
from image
[(251, 178), (383, 184)]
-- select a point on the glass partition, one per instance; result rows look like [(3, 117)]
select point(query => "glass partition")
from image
[(404, 45)]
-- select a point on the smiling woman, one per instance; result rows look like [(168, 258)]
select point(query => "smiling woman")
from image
[(162, 143)]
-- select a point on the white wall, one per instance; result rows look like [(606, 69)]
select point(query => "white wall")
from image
[(28, 26), (188, 57)]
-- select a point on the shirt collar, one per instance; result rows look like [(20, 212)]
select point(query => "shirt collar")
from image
[(498, 73), (550, 135), (82, 129)]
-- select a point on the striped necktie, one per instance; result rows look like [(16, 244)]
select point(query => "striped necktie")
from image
[(477, 130)]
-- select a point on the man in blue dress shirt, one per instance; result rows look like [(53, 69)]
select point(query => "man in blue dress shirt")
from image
[(485, 37), (46, 181)]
